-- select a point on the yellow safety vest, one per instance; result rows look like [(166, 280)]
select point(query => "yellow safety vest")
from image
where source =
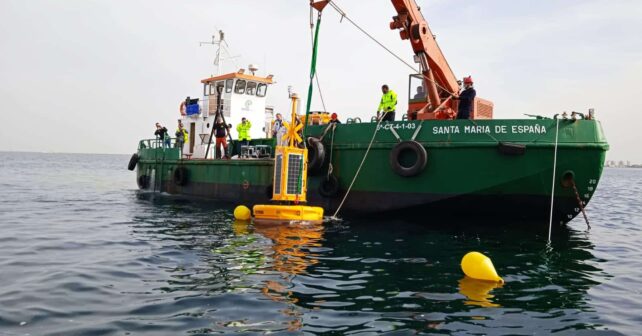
[(184, 131), (244, 130), (388, 102)]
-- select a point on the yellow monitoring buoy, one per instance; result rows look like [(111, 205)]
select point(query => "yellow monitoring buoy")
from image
[(290, 180), (480, 267)]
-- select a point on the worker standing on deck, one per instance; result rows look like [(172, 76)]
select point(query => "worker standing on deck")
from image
[(161, 134), (388, 104), (181, 136), (244, 132), (278, 129), (466, 99), (220, 133), (334, 119)]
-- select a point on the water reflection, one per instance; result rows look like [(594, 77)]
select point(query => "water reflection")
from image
[(478, 292), (384, 275), (291, 255)]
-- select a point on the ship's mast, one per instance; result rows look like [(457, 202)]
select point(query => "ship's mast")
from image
[(222, 51)]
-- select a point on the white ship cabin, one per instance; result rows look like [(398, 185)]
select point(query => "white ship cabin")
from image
[(242, 95)]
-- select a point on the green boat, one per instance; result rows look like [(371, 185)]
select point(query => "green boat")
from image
[(426, 165)]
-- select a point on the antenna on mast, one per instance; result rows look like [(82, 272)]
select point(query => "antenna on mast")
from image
[(222, 52)]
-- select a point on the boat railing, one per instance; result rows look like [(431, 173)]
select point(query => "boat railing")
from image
[(158, 149), (156, 143)]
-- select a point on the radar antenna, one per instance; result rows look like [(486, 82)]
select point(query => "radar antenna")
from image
[(222, 52)]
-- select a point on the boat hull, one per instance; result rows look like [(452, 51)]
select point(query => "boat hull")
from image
[(495, 170)]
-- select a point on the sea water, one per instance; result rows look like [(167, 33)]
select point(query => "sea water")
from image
[(83, 252)]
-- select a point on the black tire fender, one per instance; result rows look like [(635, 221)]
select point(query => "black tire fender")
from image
[(133, 161), (316, 155), (329, 187), (143, 181), (417, 167), (180, 176)]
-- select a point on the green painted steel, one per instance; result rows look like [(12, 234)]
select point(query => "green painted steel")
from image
[(463, 159)]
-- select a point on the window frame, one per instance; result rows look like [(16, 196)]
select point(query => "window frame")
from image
[(229, 84), (237, 87), (247, 88), (258, 89)]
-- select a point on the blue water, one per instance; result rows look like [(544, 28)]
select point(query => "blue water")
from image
[(82, 252)]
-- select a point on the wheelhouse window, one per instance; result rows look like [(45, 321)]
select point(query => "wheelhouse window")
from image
[(228, 85), (261, 90), (251, 88), (240, 86)]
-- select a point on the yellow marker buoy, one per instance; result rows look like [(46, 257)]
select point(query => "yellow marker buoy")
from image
[(242, 212), (480, 267)]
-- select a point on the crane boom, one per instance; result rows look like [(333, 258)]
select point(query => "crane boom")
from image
[(413, 27), (439, 80)]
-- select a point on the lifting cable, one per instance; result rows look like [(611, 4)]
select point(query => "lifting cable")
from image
[(334, 217), (330, 166), (345, 16)]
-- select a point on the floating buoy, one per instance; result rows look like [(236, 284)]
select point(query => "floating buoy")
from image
[(480, 267), (242, 212)]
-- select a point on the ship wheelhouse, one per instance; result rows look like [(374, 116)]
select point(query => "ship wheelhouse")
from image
[(242, 96)]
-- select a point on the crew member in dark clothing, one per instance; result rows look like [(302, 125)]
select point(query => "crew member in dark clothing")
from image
[(466, 99), (220, 132), (161, 134), (334, 119)]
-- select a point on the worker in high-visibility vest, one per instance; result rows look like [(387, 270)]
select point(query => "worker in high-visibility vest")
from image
[(244, 131), (244, 135), (181, 136), (388, 104)]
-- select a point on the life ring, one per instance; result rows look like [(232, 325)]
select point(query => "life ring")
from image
[(133, 161), (329, 187), (143, 181), (180, 176), (182, 109), (316, 155), (402, 148)]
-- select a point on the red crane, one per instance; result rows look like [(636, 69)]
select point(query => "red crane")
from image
[(436, 78), (439, 81)]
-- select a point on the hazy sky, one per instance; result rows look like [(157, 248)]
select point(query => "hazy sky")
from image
[(95, 75)]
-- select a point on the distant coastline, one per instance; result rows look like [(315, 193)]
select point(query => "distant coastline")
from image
[(621, 164)]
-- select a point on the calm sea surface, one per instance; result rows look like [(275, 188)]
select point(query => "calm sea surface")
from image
[(82, 252)]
